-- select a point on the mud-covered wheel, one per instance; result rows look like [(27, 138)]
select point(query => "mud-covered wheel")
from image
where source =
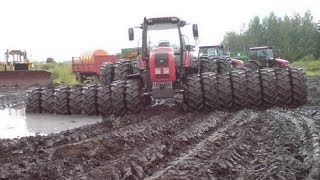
[(47, 100), (104, 100), (122, 69), (106, 75), (254, 92), (61, 98), (284, 93), (224, 88), (33, 100), (89, 100), (79, 77), (299, 86), (251, 66), (75, 100), (118, 98), (239, 89), (210, 91), (224, 66), (193, 95), (208, 65), (133, 96), (269, 88)]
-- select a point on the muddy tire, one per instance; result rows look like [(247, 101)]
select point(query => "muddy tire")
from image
[(210, 91), (106, 75), (133, 96), (193, 95), (121, 70), (61, 98), (254, 92), (299, 86), (75, 100), (284, 93), (80, 78), (239, 89), (47, 100), (224, 66), (33, 101), (118, 98), (89, 100), (224, 88), (208, 65), (251, 66), (269, 88), (104, 100)]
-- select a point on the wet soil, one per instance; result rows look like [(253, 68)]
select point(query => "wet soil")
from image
[(165, 142)]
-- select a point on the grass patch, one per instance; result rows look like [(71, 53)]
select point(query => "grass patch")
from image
[(61, 72), (311, 67)]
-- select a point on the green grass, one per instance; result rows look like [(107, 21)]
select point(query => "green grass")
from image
[(61, 72), (311, 67)]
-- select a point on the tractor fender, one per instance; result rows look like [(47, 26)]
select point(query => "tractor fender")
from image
[(236, 63), (282, 63)]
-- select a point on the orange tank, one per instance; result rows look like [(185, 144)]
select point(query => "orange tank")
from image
[(88, 57)]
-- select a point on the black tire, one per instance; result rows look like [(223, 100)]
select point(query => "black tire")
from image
[(47, 100), (284, 93), (106, 73), (80, 78), (224, 91), (299, 86), (33, 100), (104, 100), (210, 91), (251, 66), (268, 86), (193, 95), (122, 70), (208, 65), (253, 89), (133, 96), (89, 100), (239, 89), (61, 98), (224, 66), (75, 100), (118, 98)]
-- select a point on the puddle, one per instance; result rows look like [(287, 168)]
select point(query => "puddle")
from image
[(16, 123)]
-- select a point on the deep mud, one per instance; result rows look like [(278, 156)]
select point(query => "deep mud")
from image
[(166, 143)]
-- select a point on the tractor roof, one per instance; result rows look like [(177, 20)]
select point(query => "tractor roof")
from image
[(211, 46), (261, 47), (165, 20)]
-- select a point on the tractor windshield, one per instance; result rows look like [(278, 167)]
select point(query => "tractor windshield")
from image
[(211, 51), (164, 35), (261, 54)]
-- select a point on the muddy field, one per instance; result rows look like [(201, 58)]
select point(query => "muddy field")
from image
[(166, 143)]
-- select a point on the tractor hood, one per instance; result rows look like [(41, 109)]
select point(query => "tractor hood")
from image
[(282, 62)]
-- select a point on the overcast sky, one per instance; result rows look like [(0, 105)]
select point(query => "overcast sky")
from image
[(65, 28)]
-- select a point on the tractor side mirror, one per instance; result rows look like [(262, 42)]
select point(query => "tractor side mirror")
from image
[(131, 34), (195, 31)]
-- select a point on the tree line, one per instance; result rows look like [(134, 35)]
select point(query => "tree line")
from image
[(293, 38)]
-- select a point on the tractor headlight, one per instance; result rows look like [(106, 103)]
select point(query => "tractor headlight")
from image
[(157, 71), (165, 70)]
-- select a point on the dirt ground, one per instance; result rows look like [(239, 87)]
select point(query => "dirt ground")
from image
[(166, 143)]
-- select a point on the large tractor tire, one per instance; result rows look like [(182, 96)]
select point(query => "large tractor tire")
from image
[(193, 95), (61, 98), (284, 93), (239, 89), (269, 87), (208, 65), (251, 66), (254, 91), (224, 66), (75, 100), (47, 100), (89, 100), (33, 100), (133, 96), (106, 73), (210, 91), (118, 98), (80, 78), (224, 91), (122, 70), (299, 86), (104, 100)]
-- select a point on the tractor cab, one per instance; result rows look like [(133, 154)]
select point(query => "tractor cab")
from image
[(211, 51), (264, 57)]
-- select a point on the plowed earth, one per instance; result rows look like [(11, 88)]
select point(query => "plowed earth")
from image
[(165, 142)]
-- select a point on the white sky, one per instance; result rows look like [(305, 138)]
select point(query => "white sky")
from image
[(65, 28)]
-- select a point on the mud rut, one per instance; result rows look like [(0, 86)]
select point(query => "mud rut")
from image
[(167, 143)]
